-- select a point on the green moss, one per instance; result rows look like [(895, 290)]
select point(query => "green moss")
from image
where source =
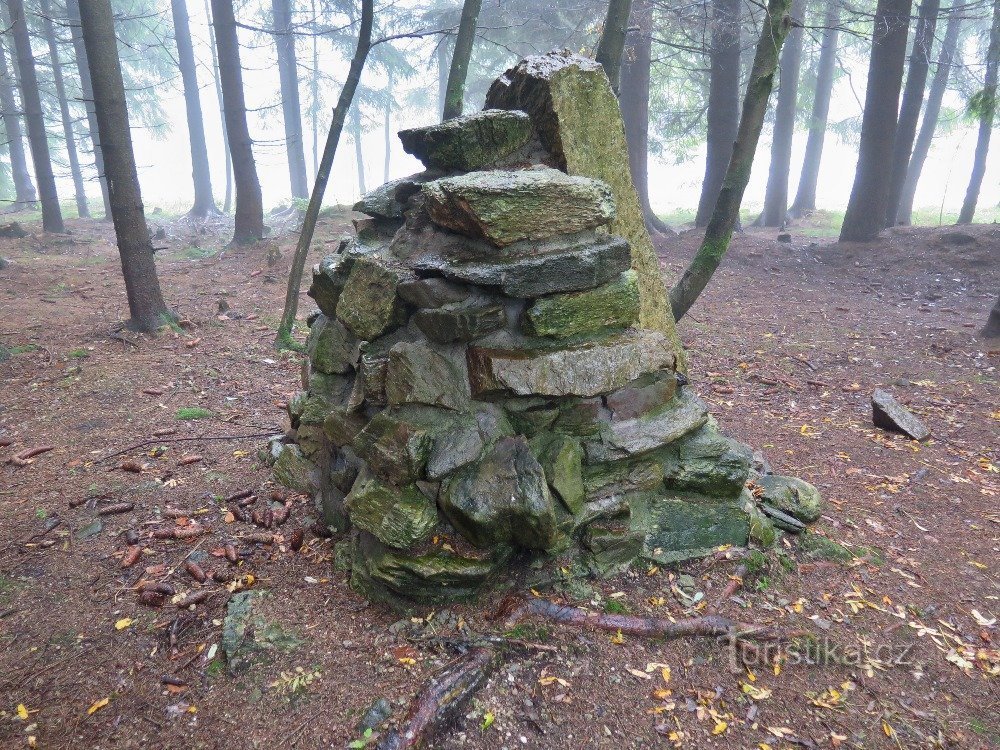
[(616, 607), (193, 412), (818, 547)]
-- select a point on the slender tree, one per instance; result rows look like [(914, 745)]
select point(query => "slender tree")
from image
[(228, 200), (24, 189), (146, 306), (939, 85), (291, 109), (284, 338), (776, 193), (727, 208), (87, 93), (805, 195), (201, 173), (454, 99), (865, 214), (38, 139), (249, 202), (387, 122), (913, 99), (359, 153), (314, 91), (985, 105), (612, 42), (723, 102)]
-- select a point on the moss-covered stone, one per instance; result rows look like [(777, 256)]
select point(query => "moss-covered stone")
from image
[(464, 437), (396, 443), (388, 200), (684, 525), (431, 293), (614, 305), (466, 322), (561, 458), (791, 495), (368, 304), (645, 394), (649, 432), (329, 277), (610, 550), (419, 374), (470, 142), (708, 462), (399, 518), (341, 425), (605, 479), (293, 470), (332, 349)]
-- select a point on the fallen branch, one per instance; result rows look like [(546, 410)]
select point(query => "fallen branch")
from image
[(155, 441), (25, 458)]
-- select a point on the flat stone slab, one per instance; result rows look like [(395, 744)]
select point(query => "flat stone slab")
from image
[(445, 325), (470, 142), (582, 371), (685, 414), (399, 518), (388, 201), (613, 305), (889, 414), (506, 207)]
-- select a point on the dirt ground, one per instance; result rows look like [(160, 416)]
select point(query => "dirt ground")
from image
[(899, 584)]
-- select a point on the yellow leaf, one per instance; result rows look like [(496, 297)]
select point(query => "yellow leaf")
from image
[(888, 730), (241, 454), (618, 638), (407, 661), (637, 673), (720, 727), (757, 693), (665, 672), (98, 706), (123, 623), (764, 746), (22, 712)]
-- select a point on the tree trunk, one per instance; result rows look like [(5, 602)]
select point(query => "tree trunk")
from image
[(145, 301), (865, 214), (389, 94), (87, 91), (992, 328), (204, 201), (314, 83), (38, 139), (454, 98), (442, 72), (727, 208), (913, 99), (634, 99), (987, 108), (723, 102), (291, 109), (284, 337), (612, 42), (24, 189), (249, 203), (228, 201), (776, 194), (805, 195), (359, 154), (922, 147)]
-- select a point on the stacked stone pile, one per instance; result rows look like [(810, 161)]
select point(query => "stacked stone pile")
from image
[(480, 394)]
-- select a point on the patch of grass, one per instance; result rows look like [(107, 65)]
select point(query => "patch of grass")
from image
[(818, 547), (193, 412), (80, 353), (524, 632), (193, 252), (616, 607)]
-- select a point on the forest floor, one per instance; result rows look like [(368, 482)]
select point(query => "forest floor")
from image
[(900, 581)]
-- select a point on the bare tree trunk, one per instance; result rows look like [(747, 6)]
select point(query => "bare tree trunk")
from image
[(38, 139), (805, 195), (359, 153), (145, 300), (987, 108), (389, 94), (454, 98), (204, 201), (87, 91), (723, 102), (865, 214), (249, 202), (228, 200), (442, 72), (922, 147), (612, 42), (291, 109), (727, 208), (315, 92), (284, 338), (24, 189), (776, 194), (913, 99)]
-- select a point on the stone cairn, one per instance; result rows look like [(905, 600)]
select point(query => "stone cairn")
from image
[(492, 385)]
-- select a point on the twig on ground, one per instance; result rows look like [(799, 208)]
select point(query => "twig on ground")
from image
[(154, 441)]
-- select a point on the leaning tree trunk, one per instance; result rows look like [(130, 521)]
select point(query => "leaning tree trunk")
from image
[(145, 301), (805, 195), (727, 208), (227, 202), (723, 102), (776, 194), (986, 105), (992, 328), (67, 120), (201, 173), (865, 214), (284, 338), (454, 98), (87, 91), (612, 42), (38, 139), (913, 99), (24, 189), (249, 202), (922, 147), (291, 109)]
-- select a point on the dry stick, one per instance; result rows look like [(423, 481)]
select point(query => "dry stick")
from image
[(735, 581), (155, 441)]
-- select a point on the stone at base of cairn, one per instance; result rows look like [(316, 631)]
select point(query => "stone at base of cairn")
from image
[(483, 399)]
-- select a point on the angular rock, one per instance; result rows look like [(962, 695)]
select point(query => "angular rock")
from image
[(418, 374), (502, 500), (685, 414), (464, 322), (329, 277), (611, 550), (611, 306), (332, 349), (389, 200), (889, 414), (368, 305), (582, 371), (645, 394), (684, 525), (582, 416), (431, 293), (294, 471), (399, 518), (791, 495), (530, 415), (604, 480), (471, 142), (395, 444), (708, 462), (506, 207), (561, 458), (464, 438), (584, 267), (341, 426)]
